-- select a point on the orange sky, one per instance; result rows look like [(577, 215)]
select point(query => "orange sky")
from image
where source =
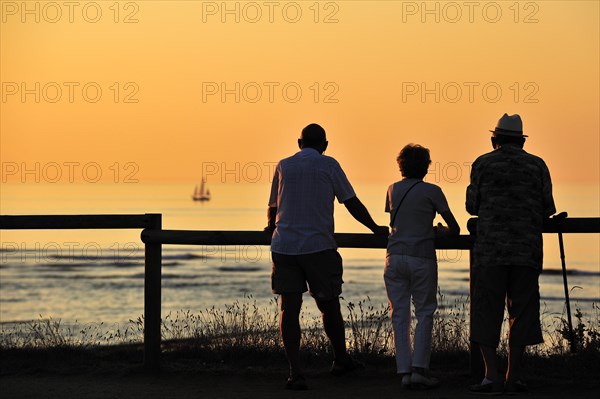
[(361, 69)]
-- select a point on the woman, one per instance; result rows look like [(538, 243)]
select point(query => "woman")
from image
[(411, 265)]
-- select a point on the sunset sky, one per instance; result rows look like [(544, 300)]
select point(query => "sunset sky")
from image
[(375, 74)]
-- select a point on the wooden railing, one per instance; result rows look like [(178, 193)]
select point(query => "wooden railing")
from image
[(154, 237), (152, 283)]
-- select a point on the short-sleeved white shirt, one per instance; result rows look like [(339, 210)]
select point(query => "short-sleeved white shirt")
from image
[(304, 188), (412, 232)]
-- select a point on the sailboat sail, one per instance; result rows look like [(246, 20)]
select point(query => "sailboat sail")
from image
[(199, 194)]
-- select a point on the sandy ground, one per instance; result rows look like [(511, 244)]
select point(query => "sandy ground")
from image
[(118, 372), (247, 383)]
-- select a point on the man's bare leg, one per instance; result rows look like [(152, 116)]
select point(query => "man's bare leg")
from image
[(291, 305), (333, 324), (491, 362), (515, 354)]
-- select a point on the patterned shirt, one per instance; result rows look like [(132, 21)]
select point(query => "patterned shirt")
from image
[(303, 190), (511, 192)]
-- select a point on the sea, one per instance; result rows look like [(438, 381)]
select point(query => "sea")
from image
[(92, 276)]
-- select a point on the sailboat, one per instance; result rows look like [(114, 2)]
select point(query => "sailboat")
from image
[(199, 194)]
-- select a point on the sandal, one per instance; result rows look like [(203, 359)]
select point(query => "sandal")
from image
[(297, 383), (340, 368), (514, 387), (489, 388)]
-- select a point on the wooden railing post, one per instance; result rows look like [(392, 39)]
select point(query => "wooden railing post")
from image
[(152, 297)]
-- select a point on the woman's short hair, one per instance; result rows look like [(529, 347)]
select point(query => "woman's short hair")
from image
[(414, 161)]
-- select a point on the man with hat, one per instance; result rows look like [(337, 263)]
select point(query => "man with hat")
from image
[(511, 193)]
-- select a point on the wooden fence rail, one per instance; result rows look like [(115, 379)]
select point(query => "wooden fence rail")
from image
[(154, 237)]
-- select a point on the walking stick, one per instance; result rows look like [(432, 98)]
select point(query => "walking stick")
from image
[(559, 218)]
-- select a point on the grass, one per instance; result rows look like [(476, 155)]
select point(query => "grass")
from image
[(244, 333)]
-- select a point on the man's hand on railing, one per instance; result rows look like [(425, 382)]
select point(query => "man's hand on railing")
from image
[(381, 230), (440, 230), (560, 216)]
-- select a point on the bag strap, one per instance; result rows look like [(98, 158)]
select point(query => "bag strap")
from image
[(400, 203)]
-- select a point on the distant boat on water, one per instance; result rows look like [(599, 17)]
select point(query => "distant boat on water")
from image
[(200, 194)]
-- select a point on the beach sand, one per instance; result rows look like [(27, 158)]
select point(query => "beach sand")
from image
[(246, 384), (102, 374)]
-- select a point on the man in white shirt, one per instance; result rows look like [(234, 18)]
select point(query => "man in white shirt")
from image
[(303, 248)]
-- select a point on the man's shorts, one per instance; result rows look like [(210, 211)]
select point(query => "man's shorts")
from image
[(321, 270), (516, 287)]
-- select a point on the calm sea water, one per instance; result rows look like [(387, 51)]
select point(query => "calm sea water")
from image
[(97, 275)]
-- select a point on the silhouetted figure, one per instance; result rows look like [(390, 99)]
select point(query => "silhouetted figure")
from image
[(511, 192), (303, 248), (411, 266)]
